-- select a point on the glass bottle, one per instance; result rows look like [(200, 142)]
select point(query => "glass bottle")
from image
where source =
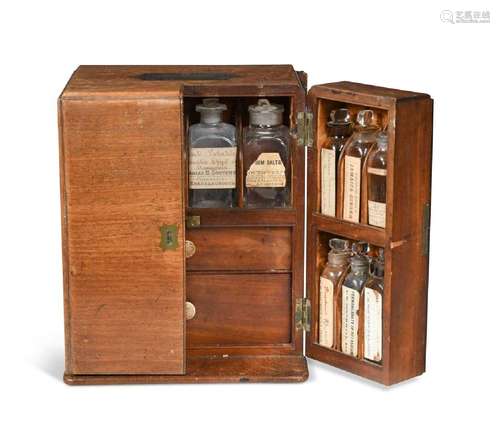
[(351, 164), (212, 158), (266, 158), (372, 304), (339, 130), (376, 172), (351, 291), (329, 286)]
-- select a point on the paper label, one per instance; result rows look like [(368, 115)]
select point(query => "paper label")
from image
[(326, 314), (352, 188), (328, 179), (377, 171), (373, 325), (350, 321), (267, 171), (376, 213), (212, 168)]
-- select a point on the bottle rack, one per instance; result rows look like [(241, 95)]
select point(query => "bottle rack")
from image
[(407, 122)]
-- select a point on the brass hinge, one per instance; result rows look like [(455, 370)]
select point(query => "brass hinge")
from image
[(303, 314), (426, 229), (305, 128)]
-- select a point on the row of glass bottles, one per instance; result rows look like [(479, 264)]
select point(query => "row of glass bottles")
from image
[(213, 152), (342, 159), (351, 294)]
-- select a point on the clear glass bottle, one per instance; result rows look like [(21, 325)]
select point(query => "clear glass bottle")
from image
[(376, 173), (339, 130), (329, 289), (212, 158), (266, 158), (351, 293), (372, 311), (351, 164)]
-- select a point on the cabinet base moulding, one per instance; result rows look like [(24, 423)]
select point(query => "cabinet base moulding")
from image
[(276, 369)]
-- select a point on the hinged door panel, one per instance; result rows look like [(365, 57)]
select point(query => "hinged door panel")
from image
[(406, 117), (123, 235)]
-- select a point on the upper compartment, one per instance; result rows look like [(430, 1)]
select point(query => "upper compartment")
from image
[(400, 127)]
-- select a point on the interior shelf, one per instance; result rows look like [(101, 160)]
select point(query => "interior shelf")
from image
[(353, 231)]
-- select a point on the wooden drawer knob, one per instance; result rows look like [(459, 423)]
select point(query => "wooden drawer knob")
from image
[(190, 310), (190, 249)]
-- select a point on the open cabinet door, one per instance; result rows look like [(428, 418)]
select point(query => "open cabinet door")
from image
[(123, 232), (407, 118)]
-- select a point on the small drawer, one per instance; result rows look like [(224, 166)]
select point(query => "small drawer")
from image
[(236, 249), (237, 309)]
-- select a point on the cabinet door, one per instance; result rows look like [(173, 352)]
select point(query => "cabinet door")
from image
[(407, 118), (123, 234)]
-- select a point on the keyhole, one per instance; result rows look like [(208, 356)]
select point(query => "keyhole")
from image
[(169, 238)]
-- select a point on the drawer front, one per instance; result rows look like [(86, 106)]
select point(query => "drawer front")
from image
[(239, 309), (233, 249)]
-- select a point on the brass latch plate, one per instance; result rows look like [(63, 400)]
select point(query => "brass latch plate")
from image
[(169, 237)]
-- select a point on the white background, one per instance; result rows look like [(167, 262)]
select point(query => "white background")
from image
[(391, 44)]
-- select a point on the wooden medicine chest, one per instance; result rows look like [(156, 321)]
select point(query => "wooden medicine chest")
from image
[(157, 292)]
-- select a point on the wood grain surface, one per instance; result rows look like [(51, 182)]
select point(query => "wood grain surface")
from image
[(120, 161), (215, 369), (241, 248), (245, 309)]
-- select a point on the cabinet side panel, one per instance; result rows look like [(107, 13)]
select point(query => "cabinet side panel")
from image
[(121, 164), (408, 260)]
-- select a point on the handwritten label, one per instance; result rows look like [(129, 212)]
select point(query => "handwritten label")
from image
[(376, 213), (328, 179), (326, 315), (212, 168), (352, 188), (350, 321), (268, 171), (373, 325)]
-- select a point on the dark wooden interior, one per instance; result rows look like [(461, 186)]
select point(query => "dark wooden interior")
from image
[(244, 277)]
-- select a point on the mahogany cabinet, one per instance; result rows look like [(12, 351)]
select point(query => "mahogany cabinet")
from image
[(156, 292)]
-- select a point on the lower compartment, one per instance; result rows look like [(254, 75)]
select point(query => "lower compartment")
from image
[(239, 309), (212, 369)]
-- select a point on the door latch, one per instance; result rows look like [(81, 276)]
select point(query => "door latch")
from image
[(168, 238)]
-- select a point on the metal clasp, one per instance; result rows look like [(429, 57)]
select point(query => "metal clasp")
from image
[(168, 237)]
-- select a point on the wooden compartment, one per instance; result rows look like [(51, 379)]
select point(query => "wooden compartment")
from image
[(126, 220), (407, 118), (240, 248), (239, 309)]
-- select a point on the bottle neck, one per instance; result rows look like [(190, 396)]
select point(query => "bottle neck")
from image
[(366, 134), (211, 117), (264, 126), (359, 270), (378, 270), (339, 130), (338, 259)]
